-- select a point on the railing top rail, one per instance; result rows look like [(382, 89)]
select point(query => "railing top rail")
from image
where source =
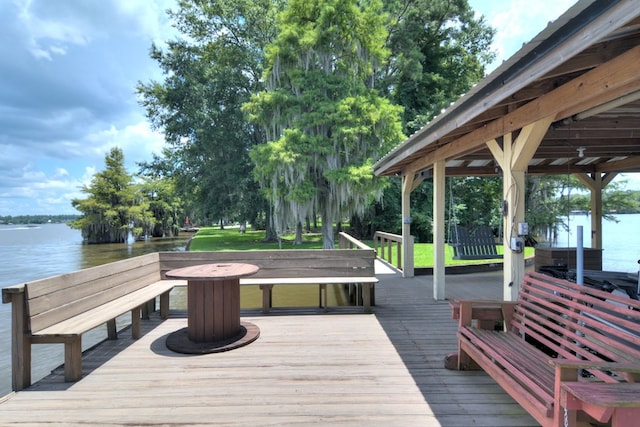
[(388, 236), (354, 241)]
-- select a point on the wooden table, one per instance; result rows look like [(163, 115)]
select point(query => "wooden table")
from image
[(213, 309), (618, 403)]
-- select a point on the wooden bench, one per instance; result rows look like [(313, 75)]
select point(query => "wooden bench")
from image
[(479, 244), (62, 308), (556, 345), (293, 267)]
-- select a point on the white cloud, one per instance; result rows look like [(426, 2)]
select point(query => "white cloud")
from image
[(68, 94)]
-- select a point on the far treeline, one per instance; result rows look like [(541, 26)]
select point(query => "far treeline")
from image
[(274, 112), (36, 219)]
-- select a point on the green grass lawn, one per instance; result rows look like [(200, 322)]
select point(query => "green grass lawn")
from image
[(230, 239)]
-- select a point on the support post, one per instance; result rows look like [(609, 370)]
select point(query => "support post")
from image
[(438, 230), (513, 261), (596, 182), (407, 239), (513, 157)]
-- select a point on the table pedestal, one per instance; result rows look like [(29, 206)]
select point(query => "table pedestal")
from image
[(213, 309)]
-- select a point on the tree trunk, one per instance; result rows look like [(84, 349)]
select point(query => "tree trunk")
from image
[(270, 232), (327, 233), (298, 239)]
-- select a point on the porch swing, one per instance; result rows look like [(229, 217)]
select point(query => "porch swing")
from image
[(467, 244)]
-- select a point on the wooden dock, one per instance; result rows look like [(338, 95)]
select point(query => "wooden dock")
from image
[(308, 367)]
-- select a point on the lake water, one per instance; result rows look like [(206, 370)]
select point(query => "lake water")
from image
[(621, 245)]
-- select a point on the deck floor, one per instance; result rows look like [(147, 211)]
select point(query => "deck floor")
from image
[(339, 368)]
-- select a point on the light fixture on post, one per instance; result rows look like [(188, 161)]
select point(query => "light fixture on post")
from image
[(580, 151)]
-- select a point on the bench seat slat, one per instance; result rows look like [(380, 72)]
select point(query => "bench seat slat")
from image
[(528, 365), (539, 410), (88, 320)]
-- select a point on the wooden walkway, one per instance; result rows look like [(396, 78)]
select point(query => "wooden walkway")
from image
[(340, 368)]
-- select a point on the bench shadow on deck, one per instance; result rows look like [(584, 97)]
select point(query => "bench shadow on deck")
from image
[(308, 367)]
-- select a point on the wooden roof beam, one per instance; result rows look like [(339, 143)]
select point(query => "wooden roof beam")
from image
[(602, 84)]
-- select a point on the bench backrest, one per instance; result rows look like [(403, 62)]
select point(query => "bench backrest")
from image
[(575, 321), (54, 299), (479, 244), (283, 263)]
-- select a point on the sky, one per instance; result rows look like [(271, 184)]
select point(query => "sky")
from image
[(68, 79)]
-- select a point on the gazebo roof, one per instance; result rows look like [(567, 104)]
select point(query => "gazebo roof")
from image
[(583, 71)]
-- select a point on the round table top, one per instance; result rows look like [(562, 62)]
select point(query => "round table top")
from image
[(221, 270)]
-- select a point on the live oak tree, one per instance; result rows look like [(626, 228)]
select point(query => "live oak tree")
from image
[(114, 207), (325, 120)]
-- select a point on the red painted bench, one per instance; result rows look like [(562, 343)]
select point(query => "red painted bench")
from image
[(566, 353)]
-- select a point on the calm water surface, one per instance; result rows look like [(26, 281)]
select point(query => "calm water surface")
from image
[(620, 242)]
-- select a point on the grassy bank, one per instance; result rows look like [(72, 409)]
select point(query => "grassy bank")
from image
[(230, 239)]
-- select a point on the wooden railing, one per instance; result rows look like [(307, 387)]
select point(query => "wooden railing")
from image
[(385, 242), (346, 241)]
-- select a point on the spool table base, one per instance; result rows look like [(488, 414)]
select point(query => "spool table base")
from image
[(179, 341)]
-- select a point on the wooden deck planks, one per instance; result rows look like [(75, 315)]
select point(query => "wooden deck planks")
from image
[(340, 368)]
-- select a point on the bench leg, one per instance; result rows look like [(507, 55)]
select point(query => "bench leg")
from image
[(112, 330), (164, 305), (20, 344), (266, 297), (366, 297), (136, 330), (565, 405), (22, 365), (465, 363), (147, 308), (322, 296), (73, 359)]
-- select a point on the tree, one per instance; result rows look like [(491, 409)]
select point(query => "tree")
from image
[(115, 206), (439, 50), (165, 205), (209, 73), (324, 119)]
